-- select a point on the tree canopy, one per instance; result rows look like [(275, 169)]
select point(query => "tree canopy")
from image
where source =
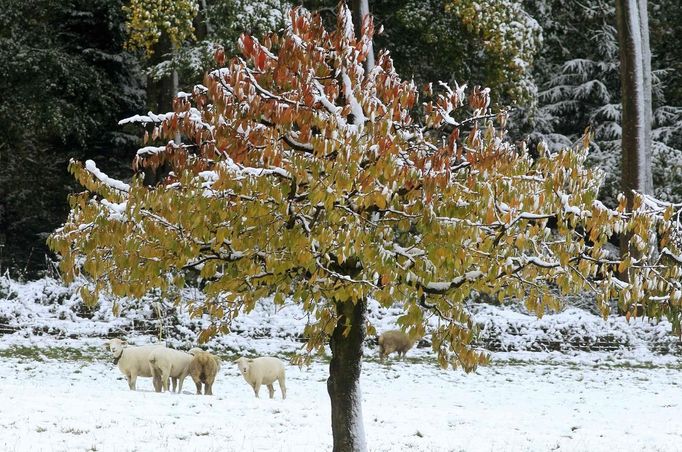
[(306, 177)]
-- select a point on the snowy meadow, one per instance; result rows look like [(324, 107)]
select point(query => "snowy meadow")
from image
[(61, 391), (578, 405)]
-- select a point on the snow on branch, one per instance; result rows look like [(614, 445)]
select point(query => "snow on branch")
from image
[(116, 210), (106, 180), (149, 150), (243, 171), (676, 257), (146, 119), (657, 204), (193, 115), (358, 115)]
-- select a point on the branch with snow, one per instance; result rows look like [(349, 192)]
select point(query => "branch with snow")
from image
[(106, 180)]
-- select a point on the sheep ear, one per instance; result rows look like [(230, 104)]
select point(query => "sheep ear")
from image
[(250, 360), (124, 342), (107, 343)]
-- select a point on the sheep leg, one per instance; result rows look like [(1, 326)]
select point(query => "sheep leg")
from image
[(132, 379), (271, 390), (175, 383), (282, 386), (208, 386), (157, 383), (256, 387), (198, 384), (180, 380), (165, 377), (156, 378)]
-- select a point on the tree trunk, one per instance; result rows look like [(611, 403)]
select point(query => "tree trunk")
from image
[(648, 99), (360, 11), (343, 384), (635, 77), (176, 87)]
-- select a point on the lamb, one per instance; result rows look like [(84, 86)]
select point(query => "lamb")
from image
[(264, 370), (165, 363), (203, 369), (394, 341), (132, 361)]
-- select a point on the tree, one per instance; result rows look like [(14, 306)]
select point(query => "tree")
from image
[(484, 42), (176, 40), (66, 81), (305, 177), (635, 76), (179, 37), (507, 33), (580, 86), (665, 24), (162, 27)]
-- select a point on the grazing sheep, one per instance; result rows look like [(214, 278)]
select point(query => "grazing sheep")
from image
[(132, 361), (203, 369), (394, 341), (165, 363), (263, 370)]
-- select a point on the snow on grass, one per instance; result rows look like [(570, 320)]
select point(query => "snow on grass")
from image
[(547, 388), (75, 405)]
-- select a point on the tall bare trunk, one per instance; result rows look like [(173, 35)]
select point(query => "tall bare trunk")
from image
[(648, 99), (204, 13), (176, 88), (635, 76), (343, 384)]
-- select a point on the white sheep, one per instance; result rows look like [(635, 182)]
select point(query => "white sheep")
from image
[(165, 363), (265, 371), (394, 341), (132, 361), (203, 369)]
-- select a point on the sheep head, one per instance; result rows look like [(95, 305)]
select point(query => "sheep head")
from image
[(116, 346), (243, 364)]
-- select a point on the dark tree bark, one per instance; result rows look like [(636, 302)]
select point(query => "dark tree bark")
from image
[(343, 384)]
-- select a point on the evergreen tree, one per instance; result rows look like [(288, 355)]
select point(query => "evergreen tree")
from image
[(65, 81), (179, 38), (578, 71)]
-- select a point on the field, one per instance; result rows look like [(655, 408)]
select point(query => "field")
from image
[(76, 400), (567, 382)]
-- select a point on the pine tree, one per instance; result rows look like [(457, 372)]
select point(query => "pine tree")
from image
[(66, 80), (580, 87)]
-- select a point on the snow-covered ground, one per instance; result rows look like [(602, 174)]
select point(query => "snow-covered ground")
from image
[(77, 405), (569, 381)]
